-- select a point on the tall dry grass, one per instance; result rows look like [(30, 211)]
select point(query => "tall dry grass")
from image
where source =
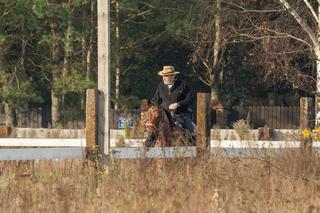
[(289, 182)]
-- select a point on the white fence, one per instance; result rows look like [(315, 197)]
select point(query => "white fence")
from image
[(41, 148), (45, 148)]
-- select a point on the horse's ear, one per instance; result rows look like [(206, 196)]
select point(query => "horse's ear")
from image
[(144, 105)]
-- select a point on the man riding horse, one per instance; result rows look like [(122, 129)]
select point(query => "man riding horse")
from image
[(174, 95)]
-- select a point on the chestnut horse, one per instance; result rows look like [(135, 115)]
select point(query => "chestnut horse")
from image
[(163, 132)]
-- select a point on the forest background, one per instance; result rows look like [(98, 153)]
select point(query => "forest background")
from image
[(245, 52)]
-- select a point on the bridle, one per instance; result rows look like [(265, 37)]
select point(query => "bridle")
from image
[(152, 125), (152, 135)]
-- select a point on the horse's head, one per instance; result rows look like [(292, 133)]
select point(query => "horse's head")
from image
[(152, 123), (153, 119)]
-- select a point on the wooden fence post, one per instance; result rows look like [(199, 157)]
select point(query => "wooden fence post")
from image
[(306, 122), (306, 113), (91, 123), (203, 121)]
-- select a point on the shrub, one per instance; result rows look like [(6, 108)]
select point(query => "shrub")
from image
[(242, 127)]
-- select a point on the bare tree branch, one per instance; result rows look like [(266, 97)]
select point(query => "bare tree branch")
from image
[(288, 52), (205, 63), (312, 10), (149, 5), (131, 67), (137, 15), (282, 34), (204, 60), (302, 23), (205, 80), (244, 10), (279, 35), (141, 41)]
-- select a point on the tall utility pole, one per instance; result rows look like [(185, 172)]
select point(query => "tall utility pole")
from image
[(104, 75)]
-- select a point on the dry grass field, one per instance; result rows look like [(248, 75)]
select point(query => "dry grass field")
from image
[(288, 182)]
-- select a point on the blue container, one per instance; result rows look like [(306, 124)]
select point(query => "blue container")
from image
[(129, 122), (121, 122)]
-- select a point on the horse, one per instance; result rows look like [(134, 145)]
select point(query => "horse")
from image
[(161, 130)]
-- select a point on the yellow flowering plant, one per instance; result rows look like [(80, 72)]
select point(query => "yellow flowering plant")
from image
[(313, 135), (316, 134), (307, 134)]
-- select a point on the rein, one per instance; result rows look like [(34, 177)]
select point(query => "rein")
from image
[(152, 125), (152, 139)]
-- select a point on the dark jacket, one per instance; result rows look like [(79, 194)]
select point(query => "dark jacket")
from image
[(179, 93)]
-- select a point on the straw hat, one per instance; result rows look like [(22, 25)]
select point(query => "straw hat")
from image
[(168, 70)]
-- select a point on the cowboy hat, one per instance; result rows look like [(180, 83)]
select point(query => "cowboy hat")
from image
[(168, 70)]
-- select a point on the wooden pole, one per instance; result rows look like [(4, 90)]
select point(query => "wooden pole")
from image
[(91, 119), (306, 113), (306, 122), (203, 120), (92, 132), (104, 76)]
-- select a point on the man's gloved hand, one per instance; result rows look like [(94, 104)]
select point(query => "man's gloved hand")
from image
[(174, 106)]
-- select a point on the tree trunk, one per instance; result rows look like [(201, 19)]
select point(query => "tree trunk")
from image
[(314, 36), (66, 56), (88, 46), (55, 99), (10, 118), (8, 111), (88, 57), (117, 57), (55, 110), (215, 100), (217, 40), (317, 93), (215, 75)]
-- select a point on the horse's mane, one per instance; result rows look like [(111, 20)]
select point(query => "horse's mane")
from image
[(167, 118), (166, 124)]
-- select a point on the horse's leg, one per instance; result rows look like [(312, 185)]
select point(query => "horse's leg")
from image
[(183, 138), (178, 138), (158, 143)]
